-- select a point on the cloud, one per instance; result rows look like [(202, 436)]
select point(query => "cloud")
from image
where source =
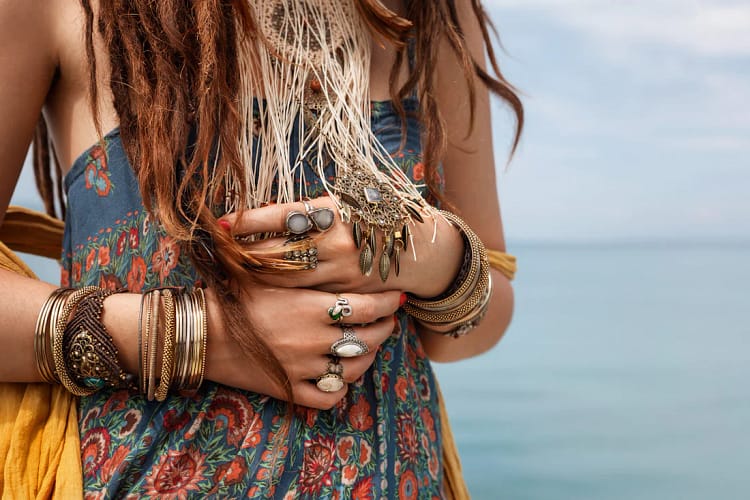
[(707, 28)]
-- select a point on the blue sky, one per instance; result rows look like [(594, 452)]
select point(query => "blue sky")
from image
[(638, 120), (638, 123)]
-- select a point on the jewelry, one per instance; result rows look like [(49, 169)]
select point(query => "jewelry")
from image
[(168, 352), (349, 345), (340, 309), (190, 341), (43, 333), (90, 353), (332, 380), (307, 254), (57, 343), (322, 218), (298, 223)]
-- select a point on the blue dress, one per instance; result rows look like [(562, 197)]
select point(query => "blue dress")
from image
[(382, 441)]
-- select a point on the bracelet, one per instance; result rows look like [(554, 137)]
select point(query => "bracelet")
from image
[(57, 342), (90, 353), (44, 331), (168, 352)]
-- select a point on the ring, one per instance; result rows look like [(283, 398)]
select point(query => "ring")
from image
[(340, 309), (332, 380), (322, 218), (349, 345), (298, 223), (308, 255)]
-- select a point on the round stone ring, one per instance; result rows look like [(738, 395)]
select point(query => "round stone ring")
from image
[(349, 345)]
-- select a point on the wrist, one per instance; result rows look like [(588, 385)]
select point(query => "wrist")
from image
[(439, 261), (120, 318)]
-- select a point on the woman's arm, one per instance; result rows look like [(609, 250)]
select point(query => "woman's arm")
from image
[(471, 186)]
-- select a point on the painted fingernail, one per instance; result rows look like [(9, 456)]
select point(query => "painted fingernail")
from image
[(402, 300), (226, 226)]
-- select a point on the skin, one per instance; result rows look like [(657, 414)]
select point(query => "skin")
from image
[(43, 70)]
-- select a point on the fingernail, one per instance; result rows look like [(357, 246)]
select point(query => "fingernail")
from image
[(226, 226), (402, 300)]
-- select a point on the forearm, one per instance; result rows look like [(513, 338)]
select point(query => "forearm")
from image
[(442, 348), (21, 300)]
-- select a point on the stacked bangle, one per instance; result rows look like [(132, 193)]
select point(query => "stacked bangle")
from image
[(462, 308), (72, 347)]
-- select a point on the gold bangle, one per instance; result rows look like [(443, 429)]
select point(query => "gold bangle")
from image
[(43, 333), (479, 256), (167, 364), (153, 342), (57, 342)]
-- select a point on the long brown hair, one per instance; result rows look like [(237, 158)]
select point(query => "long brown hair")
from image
[(175, 79)]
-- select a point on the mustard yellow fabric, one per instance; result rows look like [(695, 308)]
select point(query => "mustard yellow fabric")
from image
[(40, 450), (503, 262)]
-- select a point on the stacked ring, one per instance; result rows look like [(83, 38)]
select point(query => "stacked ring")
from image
[(349, 345), (340, 309), (332, 380)]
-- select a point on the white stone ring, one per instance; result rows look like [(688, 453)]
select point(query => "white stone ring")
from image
[(349, 345), (321, 218), (332, 380)]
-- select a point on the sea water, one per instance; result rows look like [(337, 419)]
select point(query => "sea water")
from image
[(624, 375)]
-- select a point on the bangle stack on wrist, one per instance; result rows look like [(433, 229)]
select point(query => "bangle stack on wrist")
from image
[(459, 310), (73, 348)]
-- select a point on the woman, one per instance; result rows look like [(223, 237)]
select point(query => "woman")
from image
[(165, 78)]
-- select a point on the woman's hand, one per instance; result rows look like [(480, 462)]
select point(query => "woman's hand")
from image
[(338, 269), (296, 326)]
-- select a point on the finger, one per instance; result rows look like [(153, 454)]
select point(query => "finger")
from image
[(372, 336), (307, 394), (271, 218), (363, 308)]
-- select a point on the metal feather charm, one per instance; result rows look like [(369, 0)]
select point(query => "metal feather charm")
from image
[(396, 262), (357, 234), (365, 260), (385, 266)]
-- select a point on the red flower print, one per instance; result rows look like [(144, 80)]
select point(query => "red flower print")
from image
[(344, 448), (103, 256), (406, 436), (429, 423), (407, 486), (433, 465), (115, 462), (122, 242), (317, 465), (365, 453), (76, 272), (90, 259), (133, 238), (137, 275), (232, 472), (165, 258), (174, 422), (233, 412), (64, 278), (401, 388), (359, 414), (418, 171), (424, 387), (349, 474), (363, 490), (176, 474), (109, 282), (94, 450)]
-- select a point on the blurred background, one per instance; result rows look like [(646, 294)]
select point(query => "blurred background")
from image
[(625, 372)]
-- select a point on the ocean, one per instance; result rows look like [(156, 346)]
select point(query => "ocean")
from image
[(624, 375)]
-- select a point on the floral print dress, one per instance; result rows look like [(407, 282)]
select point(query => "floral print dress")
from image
[(382, 441)]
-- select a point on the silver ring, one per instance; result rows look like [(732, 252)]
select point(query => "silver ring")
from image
[(322, 218), (349, 345), (332, 380), (298, 223), (340, 309), (307, 255)]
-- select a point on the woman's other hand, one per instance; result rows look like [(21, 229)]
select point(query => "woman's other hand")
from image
[(338, 269), (297, 328)]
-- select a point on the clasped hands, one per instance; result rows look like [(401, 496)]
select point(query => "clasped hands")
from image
[(290, 308)]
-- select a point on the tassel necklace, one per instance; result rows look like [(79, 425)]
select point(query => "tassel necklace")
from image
[(309, 83)]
